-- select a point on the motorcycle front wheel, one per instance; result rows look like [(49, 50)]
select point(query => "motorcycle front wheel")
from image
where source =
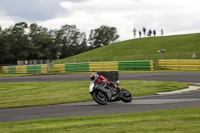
[(126, 96), (100, 97)]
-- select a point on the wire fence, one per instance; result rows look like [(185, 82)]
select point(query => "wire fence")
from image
[(34, 62), (155, 57)]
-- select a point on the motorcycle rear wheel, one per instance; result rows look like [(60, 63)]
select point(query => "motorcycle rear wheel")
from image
[(100, 97), (126, 96)]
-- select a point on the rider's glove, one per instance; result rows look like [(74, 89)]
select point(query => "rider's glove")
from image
[(102, 82)]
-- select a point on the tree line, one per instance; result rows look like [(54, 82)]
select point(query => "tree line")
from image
[(28, 42)]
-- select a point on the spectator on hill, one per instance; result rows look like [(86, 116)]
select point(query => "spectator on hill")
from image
[(149, 33), (162, 32), (154, 32), (134, 32), (144, 31), (140, 34)]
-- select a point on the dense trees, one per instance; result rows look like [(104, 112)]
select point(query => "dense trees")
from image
[(102, 36), (26, 42), (70, 40)]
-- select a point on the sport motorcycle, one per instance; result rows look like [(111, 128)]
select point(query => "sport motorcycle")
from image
[(102, 93)]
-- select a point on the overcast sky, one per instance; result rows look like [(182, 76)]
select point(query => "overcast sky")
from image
[(174, 16)]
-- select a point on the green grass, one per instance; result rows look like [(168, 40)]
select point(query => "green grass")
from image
[(46, 93), (178, 46), (160, 121), (14, 75), (11, 75)]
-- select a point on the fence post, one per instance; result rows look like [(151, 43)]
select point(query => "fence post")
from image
[(101, 59), (53, 65), (161, 57), (18, 62), (74, 60), (34, 62), (180, 56), (48, 68), (145, 57)]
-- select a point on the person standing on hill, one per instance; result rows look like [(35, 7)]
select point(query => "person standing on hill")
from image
[(149, 33), (162, 32), (134, 32), (144, 31), (140, 34), (154, 32)]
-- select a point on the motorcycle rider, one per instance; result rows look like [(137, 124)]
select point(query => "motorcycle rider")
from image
[(95, 78)]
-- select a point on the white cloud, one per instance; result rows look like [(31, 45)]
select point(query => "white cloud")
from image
[(6, 21), (174, 16), (31, 10)]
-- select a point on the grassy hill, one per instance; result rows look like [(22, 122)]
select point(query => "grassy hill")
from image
[(177, 47)]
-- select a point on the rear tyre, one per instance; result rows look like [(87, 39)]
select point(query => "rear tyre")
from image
[(126, 96), (100, 97)]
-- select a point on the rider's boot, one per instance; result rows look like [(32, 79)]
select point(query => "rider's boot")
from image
[(118, 90), (117, 94)]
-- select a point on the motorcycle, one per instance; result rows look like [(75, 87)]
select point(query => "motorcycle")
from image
[(102, 94)]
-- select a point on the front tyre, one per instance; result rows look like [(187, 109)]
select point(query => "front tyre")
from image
[(126, 96), (100, 97)]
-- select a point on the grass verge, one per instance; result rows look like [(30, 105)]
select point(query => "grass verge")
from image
[(46, 93), (161, 121), (14, 75)]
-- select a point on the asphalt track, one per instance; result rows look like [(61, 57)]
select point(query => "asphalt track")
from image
[(193, 77), (91, 108), (140, 104)]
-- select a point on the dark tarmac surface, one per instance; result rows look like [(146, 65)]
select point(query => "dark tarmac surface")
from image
[(92, 108), (141, 104), (193, 77)]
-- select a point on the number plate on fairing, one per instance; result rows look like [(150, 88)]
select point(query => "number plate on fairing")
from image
[(91, 87)]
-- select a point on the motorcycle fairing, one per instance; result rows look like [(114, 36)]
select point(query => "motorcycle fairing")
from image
[(106, 91)]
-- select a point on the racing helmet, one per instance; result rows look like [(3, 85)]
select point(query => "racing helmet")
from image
[(94, 76)]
